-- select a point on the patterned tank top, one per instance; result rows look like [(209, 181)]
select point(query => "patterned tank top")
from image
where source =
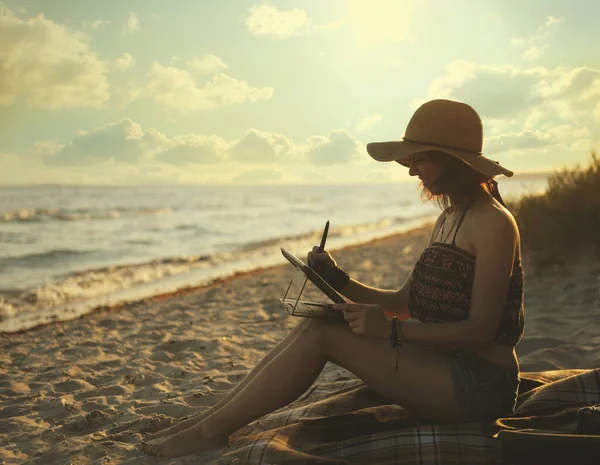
[(442, 281)]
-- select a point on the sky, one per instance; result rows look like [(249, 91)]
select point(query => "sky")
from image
[(146, 92)]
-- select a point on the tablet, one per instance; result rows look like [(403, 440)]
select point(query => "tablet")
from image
[(314, 277)]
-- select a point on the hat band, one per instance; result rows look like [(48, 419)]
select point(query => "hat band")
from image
[(441, 145)]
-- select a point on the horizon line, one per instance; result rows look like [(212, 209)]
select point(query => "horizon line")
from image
[(231, 184)]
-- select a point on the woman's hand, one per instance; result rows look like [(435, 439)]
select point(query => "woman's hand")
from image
[(324, 258), (366, 319)]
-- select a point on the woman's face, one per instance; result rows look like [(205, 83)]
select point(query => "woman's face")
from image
[(428, 168)]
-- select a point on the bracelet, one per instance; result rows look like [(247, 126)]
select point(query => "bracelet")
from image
[(396, 338)]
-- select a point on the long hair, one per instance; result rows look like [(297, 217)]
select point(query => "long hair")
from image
[(459, 182)]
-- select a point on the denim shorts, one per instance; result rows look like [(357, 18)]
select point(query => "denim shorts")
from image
[(484, 390)]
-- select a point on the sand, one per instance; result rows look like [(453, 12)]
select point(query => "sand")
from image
[(86, 391)]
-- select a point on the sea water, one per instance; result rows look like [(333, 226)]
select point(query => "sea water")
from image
[(65, 250)]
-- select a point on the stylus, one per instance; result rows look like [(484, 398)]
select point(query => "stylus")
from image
[(324, 238)]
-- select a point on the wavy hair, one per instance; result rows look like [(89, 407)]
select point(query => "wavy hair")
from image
[(458, 182)]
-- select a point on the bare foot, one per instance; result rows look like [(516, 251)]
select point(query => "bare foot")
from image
[(187, 442), (176, 428)]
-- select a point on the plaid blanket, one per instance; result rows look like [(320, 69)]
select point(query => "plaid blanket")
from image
[(344, 422)]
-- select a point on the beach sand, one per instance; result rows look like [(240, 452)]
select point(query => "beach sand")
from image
[(86, 390)]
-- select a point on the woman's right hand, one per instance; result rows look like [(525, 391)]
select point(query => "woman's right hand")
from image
[(322, 258)]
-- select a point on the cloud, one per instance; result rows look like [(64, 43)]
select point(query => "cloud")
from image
[(525, 139), (123, 152), (506, 92), (558, 140), (209, 64), (572, 138), (338, 148), (193, 148), (551, 21), (133, 24), (542, 149), (127, 142), (536, 44), (49, 64), (95, 25), (495, 91), (124, 62), (177, 89), (534, 52), (258, 147), (122, 141), (46, 148), (267, 20), (368, 121)]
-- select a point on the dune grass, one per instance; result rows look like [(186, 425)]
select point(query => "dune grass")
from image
[(563, 223)]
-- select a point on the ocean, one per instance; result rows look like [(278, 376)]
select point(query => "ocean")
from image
[(65, 250)]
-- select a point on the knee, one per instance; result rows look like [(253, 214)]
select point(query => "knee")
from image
[(322, 333), (313, 329)]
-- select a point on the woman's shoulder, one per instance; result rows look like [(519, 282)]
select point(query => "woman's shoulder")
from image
[(494, 213), (493, 219)]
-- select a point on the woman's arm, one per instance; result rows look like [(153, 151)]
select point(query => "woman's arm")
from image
[(495, 241), (394, 302)]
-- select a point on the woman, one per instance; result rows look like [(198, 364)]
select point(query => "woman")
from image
[(457, 361)]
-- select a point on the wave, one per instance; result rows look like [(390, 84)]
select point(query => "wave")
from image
[(98, 282), (48, 256), (128, 275), (56, 214), (16, 238), (78, 293), (342, 232)]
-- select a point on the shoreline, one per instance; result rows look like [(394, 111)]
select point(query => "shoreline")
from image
[(172, 285)]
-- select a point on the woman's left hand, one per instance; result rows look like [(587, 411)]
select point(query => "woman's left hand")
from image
[(366, 319)]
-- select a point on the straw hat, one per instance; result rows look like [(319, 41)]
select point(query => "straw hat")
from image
[(447, 126)]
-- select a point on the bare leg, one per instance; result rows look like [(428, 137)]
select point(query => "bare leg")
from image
[(180, 426), (283, 379), (423, 383)]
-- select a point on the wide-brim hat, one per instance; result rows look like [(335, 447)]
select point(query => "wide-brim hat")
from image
[(446, 126)]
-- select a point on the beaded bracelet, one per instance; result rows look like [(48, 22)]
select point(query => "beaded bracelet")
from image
[(396, 338)]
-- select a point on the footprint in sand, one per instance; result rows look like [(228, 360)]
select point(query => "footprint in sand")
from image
[(58, 408), (145, 424), (180, 345), (113, 391), (73, 385), (89, 422)]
